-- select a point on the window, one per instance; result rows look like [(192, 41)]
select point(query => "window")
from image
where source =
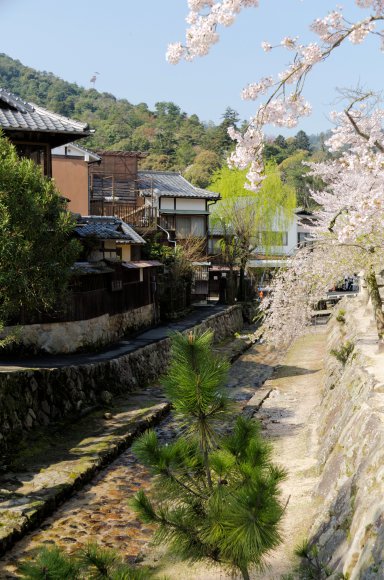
[(214, 246), (167, 222), (273, 238), (190, 226), (112, 254)]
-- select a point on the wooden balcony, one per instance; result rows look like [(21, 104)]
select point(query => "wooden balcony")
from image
[(133, 215)]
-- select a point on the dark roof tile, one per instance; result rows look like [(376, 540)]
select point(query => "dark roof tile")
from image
[(17, 114), (171, 184), (107, 228)]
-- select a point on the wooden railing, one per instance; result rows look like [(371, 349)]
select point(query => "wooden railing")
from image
[(136, 216)]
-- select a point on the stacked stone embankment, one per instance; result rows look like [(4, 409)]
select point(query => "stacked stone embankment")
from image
[(29, 398), (349, 528)]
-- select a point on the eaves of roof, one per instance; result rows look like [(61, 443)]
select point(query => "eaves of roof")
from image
[(170, 184), (19, 115)]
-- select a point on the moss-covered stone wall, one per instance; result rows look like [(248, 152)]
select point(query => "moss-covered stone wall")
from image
[(349, 528), (37, 397)]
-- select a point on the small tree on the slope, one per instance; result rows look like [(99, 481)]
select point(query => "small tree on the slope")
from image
[(215, 496), (36, 250)]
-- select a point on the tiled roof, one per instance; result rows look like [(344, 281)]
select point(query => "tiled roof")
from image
[(143, 264), (107, 228), (18, 115), (170, 184), (79, 149), (84, 268), (108, 153)]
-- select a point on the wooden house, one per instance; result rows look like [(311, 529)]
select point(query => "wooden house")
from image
[(181, 209), (36, 131), (113, 184)]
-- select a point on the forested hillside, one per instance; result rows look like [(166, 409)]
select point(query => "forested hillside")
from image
[(172, 139), (171, 136)]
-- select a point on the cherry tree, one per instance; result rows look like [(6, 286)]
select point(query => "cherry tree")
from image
[(284, 103), (348, 234)]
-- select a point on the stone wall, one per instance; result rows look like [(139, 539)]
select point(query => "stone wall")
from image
[(37, 397), (349, 527), (67, 337)]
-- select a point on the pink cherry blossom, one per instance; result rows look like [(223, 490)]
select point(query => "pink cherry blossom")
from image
[(279, 109)]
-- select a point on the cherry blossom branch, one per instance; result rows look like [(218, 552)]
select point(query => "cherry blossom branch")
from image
[(280, 109), (356, 127)]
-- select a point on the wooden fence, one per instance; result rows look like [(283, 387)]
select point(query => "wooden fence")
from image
[(97, 294)]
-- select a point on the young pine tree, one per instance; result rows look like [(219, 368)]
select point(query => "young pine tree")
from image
[(215, 496), (92, 562)]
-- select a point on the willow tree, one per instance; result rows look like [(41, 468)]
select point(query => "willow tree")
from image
[(249, 220)]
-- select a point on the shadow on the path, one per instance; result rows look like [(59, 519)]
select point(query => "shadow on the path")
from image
[(284, 371)]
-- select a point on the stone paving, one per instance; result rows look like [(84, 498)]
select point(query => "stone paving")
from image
[(101, 510)]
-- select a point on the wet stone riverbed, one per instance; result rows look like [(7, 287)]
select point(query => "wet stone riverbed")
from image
[(101, 510)]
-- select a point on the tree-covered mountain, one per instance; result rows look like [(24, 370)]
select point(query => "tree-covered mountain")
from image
[(172, 139)]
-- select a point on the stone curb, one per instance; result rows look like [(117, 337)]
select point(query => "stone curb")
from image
[(28, 519), (256, 402)]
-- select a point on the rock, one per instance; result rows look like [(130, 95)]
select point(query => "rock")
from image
[(106, 397), (32, 413), (34, 385), (28, 422), (45, 407)]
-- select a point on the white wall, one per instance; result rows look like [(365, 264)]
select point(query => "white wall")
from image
[(182, 203), (167, 203), (190, 204), (291, 229), (70, 150)]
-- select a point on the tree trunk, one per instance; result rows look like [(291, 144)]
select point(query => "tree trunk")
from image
[(231, 287), (207, 468), (377, 303), (241, 293), (245, 573)]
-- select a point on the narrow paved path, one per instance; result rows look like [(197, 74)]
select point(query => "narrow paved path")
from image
[(290, 420), (124, 346)]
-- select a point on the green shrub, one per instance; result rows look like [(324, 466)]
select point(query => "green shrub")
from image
[(343, 353), (340, 317), (216, 495)]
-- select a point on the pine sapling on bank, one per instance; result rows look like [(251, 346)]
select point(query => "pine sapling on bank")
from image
[(216, 496)]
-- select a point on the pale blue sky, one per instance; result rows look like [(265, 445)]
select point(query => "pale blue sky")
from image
[(126, 40)]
